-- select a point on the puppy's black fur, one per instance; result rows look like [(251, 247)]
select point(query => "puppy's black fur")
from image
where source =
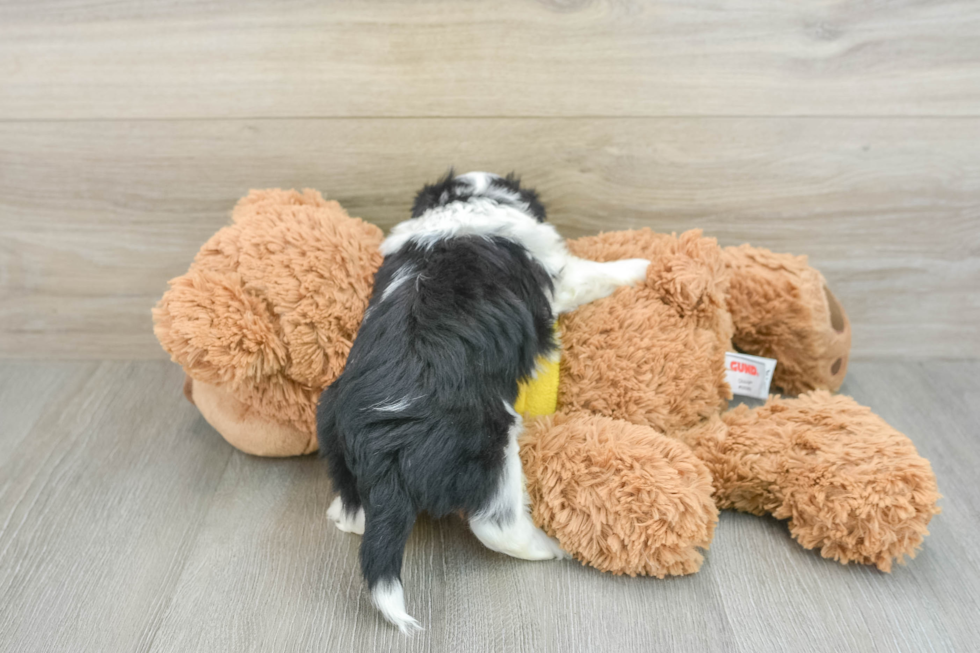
[(451, 189), (464, 322)]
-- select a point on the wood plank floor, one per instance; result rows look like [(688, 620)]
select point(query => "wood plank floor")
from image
[(127, 524)]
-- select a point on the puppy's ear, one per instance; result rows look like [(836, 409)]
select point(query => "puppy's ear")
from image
[(432, 195), (528, 196)]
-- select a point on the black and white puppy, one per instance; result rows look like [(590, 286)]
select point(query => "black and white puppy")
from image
[(421, 419)]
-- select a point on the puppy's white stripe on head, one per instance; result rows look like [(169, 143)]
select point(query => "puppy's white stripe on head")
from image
[(389, 597), (478, 181)]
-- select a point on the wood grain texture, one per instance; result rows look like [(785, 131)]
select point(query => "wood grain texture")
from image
[(180, 59), (26, 388), (106, 474), (127, 524), (96, 216)]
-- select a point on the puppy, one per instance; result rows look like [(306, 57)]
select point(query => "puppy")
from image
[(421, 419)]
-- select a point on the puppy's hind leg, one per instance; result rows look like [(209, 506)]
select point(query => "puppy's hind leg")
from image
[(345, 520), (505, 523), (346, 511), (582, 281)]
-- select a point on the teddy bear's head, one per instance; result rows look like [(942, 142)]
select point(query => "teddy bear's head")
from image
[(265, 316)]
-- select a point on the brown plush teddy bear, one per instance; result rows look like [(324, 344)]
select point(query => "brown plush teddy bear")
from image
[(631, 469)]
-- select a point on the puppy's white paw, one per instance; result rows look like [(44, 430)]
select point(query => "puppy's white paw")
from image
[(537, 545), (631, 271), (343, 521), (547, 547)]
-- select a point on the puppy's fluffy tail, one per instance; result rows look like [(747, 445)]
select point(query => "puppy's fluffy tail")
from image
[(387, 526)]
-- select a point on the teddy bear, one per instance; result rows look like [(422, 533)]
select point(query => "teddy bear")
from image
[(630, 449)]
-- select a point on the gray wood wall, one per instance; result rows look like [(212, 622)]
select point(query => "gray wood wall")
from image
[(848, 131)]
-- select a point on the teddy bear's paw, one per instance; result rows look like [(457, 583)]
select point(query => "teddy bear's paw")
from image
[(345, 521), (863, 513)]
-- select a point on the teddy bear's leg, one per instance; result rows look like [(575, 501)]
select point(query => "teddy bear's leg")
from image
[(783, 309), (619, 496), (849, 484)]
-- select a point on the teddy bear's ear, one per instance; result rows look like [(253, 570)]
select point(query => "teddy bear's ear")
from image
[(214, 329), (690, 274), (270, 306), (273, 201)]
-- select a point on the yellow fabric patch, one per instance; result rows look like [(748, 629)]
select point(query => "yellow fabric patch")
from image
[(539, 395)]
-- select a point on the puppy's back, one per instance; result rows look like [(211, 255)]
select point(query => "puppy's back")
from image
[(449, 333)]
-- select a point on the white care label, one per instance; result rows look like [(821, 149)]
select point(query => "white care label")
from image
[(749, 376)]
